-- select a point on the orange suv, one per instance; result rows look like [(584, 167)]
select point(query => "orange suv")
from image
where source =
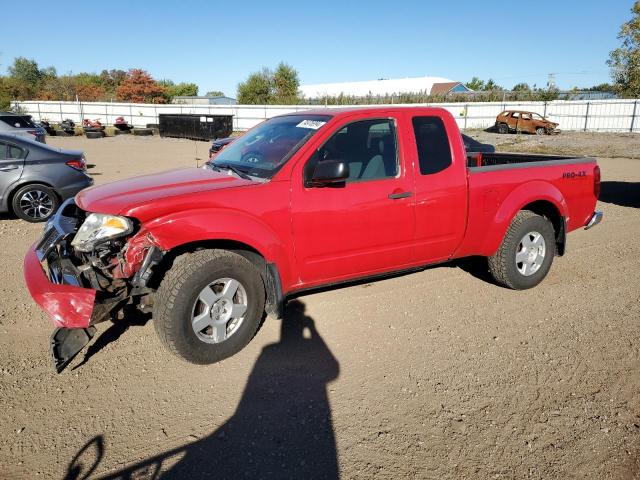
[(519, 121)]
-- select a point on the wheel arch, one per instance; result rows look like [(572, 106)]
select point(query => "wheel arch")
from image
[(268, 271), (548, 201)]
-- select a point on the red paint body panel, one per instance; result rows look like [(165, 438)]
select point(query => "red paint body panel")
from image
[(67, 306), (144, 197), (324, 235)]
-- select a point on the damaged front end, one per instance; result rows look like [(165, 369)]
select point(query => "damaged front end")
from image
[(77, 286)]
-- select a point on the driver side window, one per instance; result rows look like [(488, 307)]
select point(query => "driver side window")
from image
[(368, 147)]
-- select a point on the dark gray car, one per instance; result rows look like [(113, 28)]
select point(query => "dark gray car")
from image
[(35, 178), (23, 125)]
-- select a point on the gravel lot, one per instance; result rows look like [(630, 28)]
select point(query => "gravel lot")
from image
[(437, 374)]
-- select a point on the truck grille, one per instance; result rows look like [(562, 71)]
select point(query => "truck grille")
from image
[(48, 242)]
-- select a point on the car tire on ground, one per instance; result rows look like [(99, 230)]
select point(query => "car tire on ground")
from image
[(209, 305), (62, 133), (503, 128), (142, 132), (94, 134), (34, 203), (526, 253), (540, 131)]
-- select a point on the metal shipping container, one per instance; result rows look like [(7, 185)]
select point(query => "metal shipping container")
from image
[(195, 126)]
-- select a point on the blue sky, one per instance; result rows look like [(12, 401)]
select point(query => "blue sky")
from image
[(217, 44)]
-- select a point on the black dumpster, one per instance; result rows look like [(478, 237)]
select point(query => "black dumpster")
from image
[(195, 126)]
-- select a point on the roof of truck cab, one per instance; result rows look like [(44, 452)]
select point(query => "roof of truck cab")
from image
[(334, 112)]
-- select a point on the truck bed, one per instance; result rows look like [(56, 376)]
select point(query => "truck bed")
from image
[(476, 161)]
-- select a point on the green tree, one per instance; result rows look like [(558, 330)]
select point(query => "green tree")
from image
[(215, 93), (26, 71), (625, 60), (475, 84), (257, 89), (269, 87), (285, 85), (6, 92), (179, 89), (491, 85), (521, 87)]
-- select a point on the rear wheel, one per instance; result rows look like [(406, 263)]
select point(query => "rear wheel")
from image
[(503, 128), (526, 253), (35, 203), (209, 305)]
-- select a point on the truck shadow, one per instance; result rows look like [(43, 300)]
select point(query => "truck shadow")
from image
[(133, 318), (625, 194), (282, 427)]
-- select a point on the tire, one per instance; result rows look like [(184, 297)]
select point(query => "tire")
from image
[(121, 132), (94, 134), (142, 132), (540, 131), (503, 128), (62, 133), (178, 303), (35, 203), (521, 242)]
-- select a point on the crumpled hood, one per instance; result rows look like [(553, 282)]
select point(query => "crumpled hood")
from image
[(124, 196)]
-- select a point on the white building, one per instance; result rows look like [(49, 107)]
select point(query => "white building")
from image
[(427, 85)]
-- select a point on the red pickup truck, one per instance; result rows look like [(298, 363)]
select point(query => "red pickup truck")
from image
[(356, 193)]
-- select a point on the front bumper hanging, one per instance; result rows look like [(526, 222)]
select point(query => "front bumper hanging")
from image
[(55, 284)]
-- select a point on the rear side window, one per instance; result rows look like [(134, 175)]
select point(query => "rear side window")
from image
[(432, 141), (3, 151), (15, 152)]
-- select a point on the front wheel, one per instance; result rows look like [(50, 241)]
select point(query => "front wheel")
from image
[(526, 253), (540, 131), (209, 305)]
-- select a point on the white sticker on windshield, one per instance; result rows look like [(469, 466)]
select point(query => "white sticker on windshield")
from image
[(312, 124)]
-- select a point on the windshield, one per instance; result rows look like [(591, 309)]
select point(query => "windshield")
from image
[(261, 152)]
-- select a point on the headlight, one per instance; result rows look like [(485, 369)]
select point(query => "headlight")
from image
[(99, 227)]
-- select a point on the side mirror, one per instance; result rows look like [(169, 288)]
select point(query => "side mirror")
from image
[(329, 172)]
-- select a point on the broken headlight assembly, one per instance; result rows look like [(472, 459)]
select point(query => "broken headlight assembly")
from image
[(98, 228)]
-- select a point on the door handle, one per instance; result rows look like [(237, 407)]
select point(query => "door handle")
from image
[(396, 196), (6, 169)]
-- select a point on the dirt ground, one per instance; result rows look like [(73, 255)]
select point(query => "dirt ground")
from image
[(437, 374)]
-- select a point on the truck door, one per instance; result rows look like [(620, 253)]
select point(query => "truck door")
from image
[(526, 123), (11, 166), (512, 121), (364, 225), (440, 187)]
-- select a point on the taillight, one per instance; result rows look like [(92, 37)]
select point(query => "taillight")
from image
[(596, 181), (78, 164)]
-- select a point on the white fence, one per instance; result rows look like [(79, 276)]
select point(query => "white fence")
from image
[(601, 115)]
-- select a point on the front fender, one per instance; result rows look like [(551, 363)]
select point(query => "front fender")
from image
[(199, 225), (516, 200)]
